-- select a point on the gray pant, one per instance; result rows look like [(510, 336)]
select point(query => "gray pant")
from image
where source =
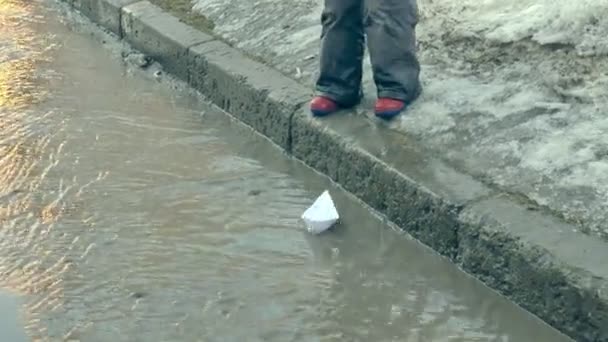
[(391, 39)]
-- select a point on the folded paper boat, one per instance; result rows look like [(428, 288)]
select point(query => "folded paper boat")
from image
[(322, 215)]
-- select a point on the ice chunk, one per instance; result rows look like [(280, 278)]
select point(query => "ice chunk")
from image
[(322, 215)]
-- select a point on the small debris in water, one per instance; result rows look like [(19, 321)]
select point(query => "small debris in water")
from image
[(310, 57), (335, 252), (138, 295), (255, 192), (158, 74), (395, 312), (137, 59)]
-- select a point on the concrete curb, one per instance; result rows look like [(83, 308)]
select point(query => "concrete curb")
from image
[(532, 258)]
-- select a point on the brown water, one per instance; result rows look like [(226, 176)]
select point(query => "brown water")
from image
[(131, 210)]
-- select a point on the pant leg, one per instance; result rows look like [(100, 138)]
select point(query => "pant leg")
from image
[(390, 26), (342, 46)]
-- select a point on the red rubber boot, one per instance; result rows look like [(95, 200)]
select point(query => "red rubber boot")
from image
[(322, 106), (388, 108)]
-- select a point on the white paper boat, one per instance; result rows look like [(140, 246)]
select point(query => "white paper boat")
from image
[(322, 215)]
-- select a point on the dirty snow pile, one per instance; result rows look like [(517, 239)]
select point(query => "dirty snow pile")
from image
[(582, 24)]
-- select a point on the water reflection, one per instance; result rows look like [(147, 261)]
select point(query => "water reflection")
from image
[(29, 150), (23, 50)]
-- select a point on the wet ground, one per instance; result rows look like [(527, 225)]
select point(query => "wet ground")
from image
[(514, 91), (132, 210)]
